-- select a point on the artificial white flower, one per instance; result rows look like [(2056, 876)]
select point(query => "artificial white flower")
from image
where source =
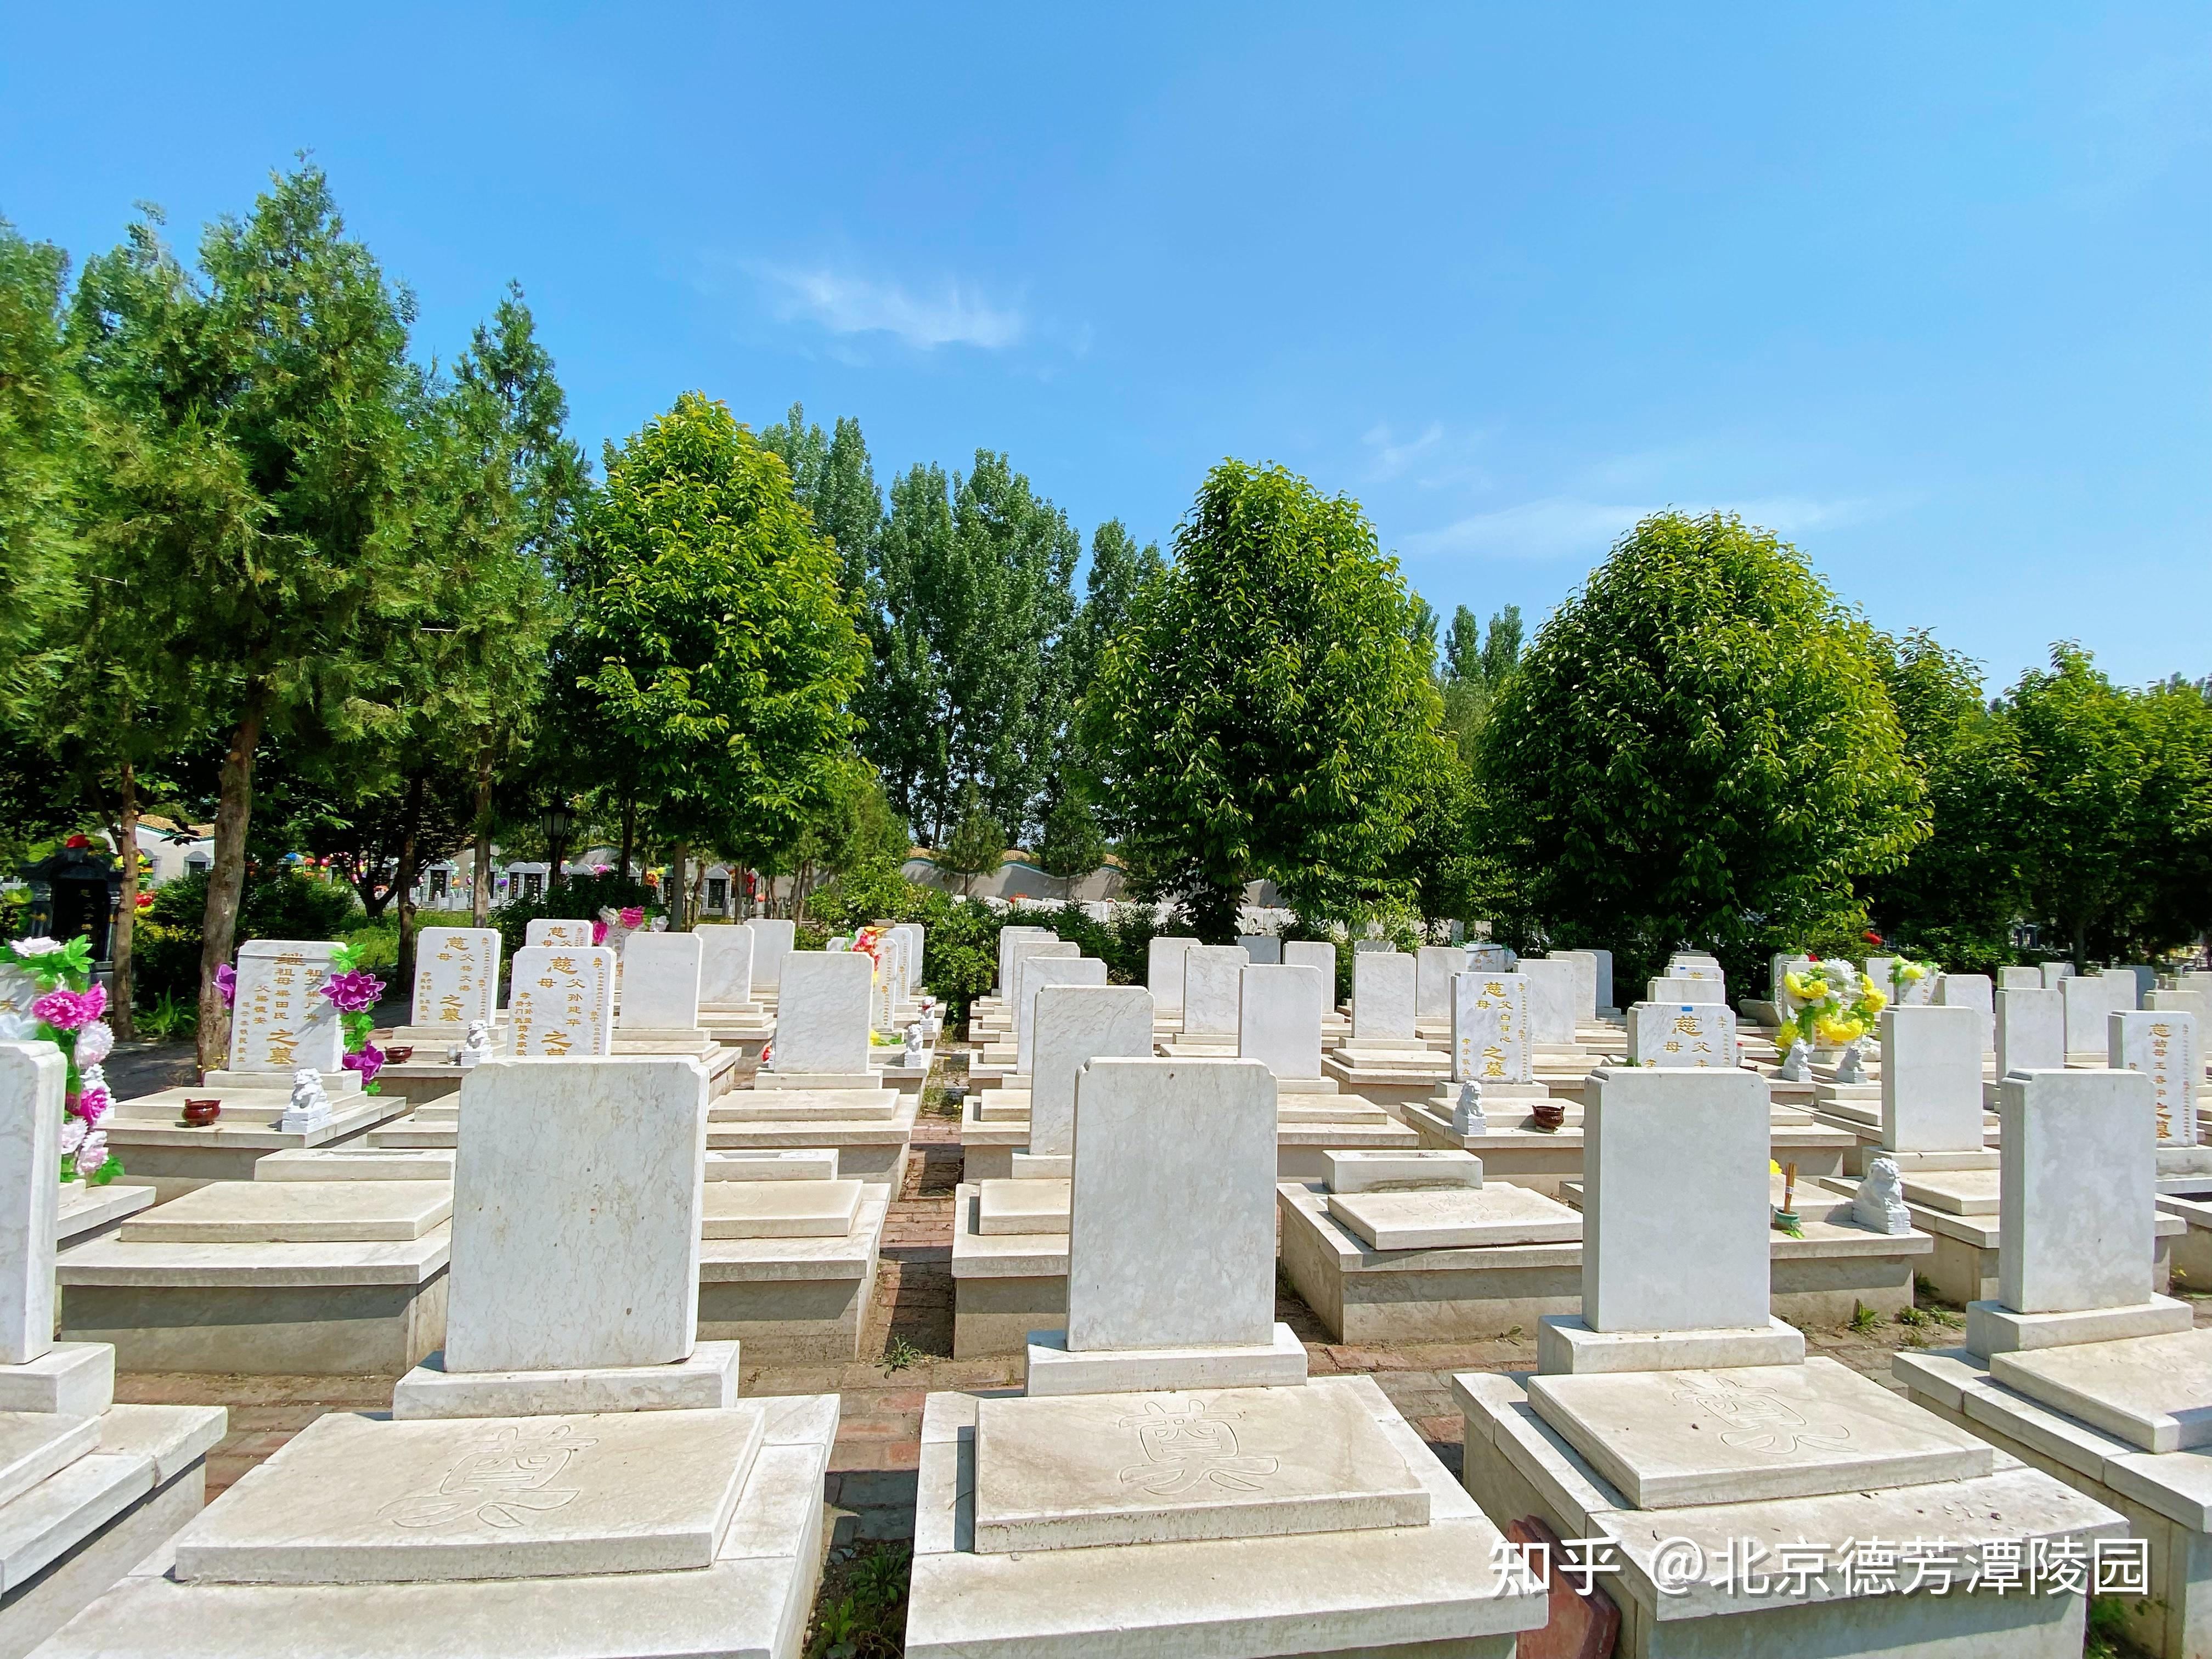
[(37, 947), (73, 1134), (94, 1044), (92, 1153)]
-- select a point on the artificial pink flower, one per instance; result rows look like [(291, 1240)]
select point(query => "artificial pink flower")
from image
[(93, 1100), (599, 933), (70, 1010), (226, 983), (95, 1043), (91, 1153), (74, 1130), (633, 915), (367, 1060), (354, 992)]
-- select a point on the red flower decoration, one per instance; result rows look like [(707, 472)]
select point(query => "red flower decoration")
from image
[(1871, 937), (78, 840)]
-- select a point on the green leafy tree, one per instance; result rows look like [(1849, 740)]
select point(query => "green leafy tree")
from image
[(712, 637), (1954, 899), (39, 416), (2115, 789), (836, 482), (972, 678), (1698, 749), (1265, 712), (512, 417), (286, 363), (1073, 845), (1474, 667), (977, 845)]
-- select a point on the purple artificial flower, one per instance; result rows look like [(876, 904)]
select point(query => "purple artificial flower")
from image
[(70, 1010), (95, 1043), (367, 1060), (354, 992), (633, 915), (226, 981)]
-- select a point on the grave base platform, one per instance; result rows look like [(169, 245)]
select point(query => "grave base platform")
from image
[(174, 1157), (1516, 1465), (707, 1381), (2163, 1496), (260, 1310), (1377, 1592), (1054, 1370), (72, 1537), (794, 1301), (85, 1213), (754, 1599)]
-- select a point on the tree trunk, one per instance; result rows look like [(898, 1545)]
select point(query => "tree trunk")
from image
[(698, 905), (629, 833), (676, 891), (119, 949), (480, 882), (226, 879), (410, 839)]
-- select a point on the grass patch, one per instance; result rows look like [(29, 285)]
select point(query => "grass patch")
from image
[(861, 1612), (1863, 1318), (899, 1353)]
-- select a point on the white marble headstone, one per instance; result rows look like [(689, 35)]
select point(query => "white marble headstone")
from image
[(772, 941), (1674, 1174), (726, 968), (1490, 1028), (577, 1198), (1029, 942), (1678, 988), (280, 1020), (660, 981), (1971, 991), (1278, 1018), (2164, 1047), (1554, 985), (1383, 993), (1585, 965), (18, 991), (1212, 976), (1163, 969), (2055, 971), (2031, 1030), (1433, 968), (1931, 1079), (1171, 1220), (1074, 1025), (2090, 998), (2077, 1185), (1263, 948), (545, 929), (2020, 979), (456, 975), (32, 1078), (561, 1001), (1698, 1034), (1035, 973), (822, 1015), (1313, 953)]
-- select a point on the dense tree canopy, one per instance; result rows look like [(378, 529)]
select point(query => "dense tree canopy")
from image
[(1698, 749), (1265, 712)]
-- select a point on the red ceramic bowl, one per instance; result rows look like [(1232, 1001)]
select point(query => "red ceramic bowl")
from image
[(399, 1053), (202, 1112)]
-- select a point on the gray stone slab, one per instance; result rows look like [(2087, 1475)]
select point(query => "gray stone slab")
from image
[(1009, 1207), (2153, 1392), (1678, 1439), (34, 1444), (295, 1212), (1088, 1470), (1455, 1218), (352, 1500), (347, 1164), (797, 1164), (1365, 1172), (780, 1209)]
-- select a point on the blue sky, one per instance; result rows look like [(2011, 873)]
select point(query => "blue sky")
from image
[(1925, 288)]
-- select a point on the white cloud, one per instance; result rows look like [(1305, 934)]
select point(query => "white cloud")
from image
[(1560, 526), (844, 304), (1391, 457)]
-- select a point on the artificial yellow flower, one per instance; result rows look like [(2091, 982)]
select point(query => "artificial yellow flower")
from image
[(1874, 999), (1835, 1032), (1804, 989), (1910, 972)]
